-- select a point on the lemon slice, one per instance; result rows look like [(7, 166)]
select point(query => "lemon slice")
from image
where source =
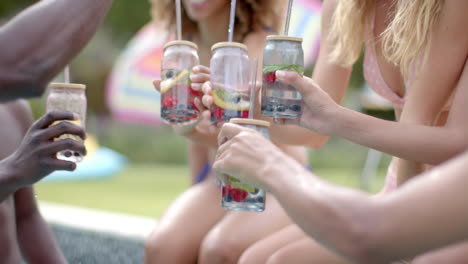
[(169, 83), (230, 100), (239, 185)]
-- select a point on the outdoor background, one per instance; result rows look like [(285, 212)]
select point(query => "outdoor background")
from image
[(157, 169)]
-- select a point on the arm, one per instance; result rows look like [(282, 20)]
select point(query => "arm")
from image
[(379, 229), (35, 238), (437, 81), (363, 228), (40, 41), (197, 158), (405, 140)]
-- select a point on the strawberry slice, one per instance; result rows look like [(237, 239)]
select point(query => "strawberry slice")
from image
[(192, 92), (238, 195), (217, 112), (170, 101), (270, 77)]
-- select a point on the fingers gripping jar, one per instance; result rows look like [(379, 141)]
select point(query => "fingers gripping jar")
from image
[(237, 195), (177, 95), (230, 76), (281, 53), (68, 97)]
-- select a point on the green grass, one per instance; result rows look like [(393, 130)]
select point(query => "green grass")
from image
[(148, 189)]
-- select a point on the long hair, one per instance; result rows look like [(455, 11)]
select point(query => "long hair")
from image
[(250, 15), (407, 36)]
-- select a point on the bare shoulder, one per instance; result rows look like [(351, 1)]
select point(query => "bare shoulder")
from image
[(22, 112), (328, 8), (453, 17)]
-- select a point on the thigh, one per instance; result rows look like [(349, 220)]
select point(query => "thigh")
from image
[(187, 220), (305, 251), (456, 254), (263, 249), (238, 230)]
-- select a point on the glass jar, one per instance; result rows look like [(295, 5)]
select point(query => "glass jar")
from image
[(68, 97), (237, 195), (177, 95), (230, 77), (281, 53)]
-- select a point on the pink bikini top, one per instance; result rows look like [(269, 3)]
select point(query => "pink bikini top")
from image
[(373, 75)]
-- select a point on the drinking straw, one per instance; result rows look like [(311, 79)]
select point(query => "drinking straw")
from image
[(252, 89), (66, 74), (288, 17), (232, 19), (179, 20)]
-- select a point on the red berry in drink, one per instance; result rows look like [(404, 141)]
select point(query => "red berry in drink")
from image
[(217, 112), (238, 195), (244, 114), (192, 103), (170, 101), (270, 77), (192, 92), (225, 190)]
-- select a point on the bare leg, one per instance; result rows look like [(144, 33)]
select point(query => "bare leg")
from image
[(305, 251), (263, 249), (456, 254), (178, 235), (238, 230)]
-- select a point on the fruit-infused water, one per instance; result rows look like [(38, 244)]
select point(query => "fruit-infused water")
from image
[(281, 53), (68, 97), (177, 95), (237, 195), (230, 75)]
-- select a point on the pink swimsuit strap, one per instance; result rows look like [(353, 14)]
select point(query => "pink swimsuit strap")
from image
[(372, 73)]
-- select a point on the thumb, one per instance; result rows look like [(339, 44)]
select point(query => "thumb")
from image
[(227, 132), (157, 85), (295, 80)]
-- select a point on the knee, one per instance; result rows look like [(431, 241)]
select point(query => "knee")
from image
[(159, 246), (277, 258), (217, 248), (251, 256)]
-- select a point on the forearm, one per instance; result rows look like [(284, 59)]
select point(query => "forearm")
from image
[(418, 143), (339, 218), (37, 241), (40, 41), (8, 180), (377, 229), (197, 158)]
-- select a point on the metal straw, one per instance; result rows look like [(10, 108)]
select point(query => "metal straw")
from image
[(179, 20), (252, 89), (288, 18), (66, 74), (232, 19)]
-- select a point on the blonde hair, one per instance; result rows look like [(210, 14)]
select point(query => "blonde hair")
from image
[(406, 36), (250, 15)]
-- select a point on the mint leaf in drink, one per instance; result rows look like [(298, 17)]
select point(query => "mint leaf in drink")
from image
[(285, 67)]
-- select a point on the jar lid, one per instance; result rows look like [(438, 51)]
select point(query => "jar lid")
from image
[(181, 42), (78, 86), (283, 37), (247, 121), (229, 44)]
